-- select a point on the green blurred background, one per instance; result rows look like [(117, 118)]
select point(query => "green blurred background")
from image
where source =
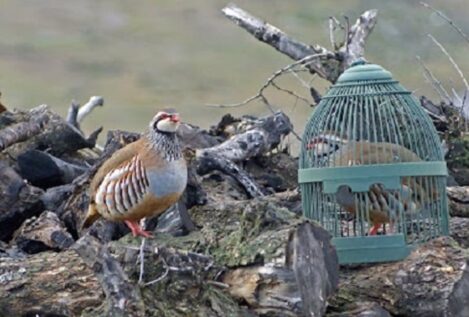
[(142, 55)]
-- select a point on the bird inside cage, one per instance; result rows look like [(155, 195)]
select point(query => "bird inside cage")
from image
[(379, 205)]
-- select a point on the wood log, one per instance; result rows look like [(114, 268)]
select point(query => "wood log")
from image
[(18, 202), (432, 281), (257, 241), (45, 232), (262, 246), (329, 67), (22, 131), (122, 298), (47, 284), (44, 170)]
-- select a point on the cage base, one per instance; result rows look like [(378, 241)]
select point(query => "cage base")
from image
[(371, 249)]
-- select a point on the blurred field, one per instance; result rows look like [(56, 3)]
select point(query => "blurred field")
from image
[(141, 55)]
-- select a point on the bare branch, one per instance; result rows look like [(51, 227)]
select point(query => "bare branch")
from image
[(260, 94), (278, 39), (291, 93), (436, 84), (86, 109), (453, 62), (73, 113), (444, 17)]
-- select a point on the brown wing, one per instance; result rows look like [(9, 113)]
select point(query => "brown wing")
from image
[(122, 189), (119, 157)]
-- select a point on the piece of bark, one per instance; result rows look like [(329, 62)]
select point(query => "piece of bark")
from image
[(18, 202), (43, 233), (432, 281), (332, 64), (44, 170), (47, 284), (458, 197), (123, 298)]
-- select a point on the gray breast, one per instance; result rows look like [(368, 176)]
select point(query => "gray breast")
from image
[(169, 180)]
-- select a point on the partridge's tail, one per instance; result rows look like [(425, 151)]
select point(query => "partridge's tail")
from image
[(91, 216)]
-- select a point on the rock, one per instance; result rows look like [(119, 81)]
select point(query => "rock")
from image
[(43, 233)]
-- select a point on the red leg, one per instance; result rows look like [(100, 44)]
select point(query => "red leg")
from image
[(137, 230), (374, 230)]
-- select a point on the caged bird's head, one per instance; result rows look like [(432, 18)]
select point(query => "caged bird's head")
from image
[(165, 121), (324, 144)]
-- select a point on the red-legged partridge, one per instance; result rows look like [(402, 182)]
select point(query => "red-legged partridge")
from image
[(142, 179), (382, 205)]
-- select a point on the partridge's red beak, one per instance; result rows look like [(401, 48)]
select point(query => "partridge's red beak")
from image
[(175, 118)]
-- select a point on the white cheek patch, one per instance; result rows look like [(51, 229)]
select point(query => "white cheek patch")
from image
[(166, 125)]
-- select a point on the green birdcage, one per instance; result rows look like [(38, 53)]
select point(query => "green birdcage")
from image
[(372, 170)]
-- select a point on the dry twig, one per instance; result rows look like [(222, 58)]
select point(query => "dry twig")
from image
[(445, 17), (435, 82), (452, 61), (260, 94)]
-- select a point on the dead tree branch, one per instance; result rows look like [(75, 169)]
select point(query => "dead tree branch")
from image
[(72, 114), (332, 65), (87, 108), (278, 39)]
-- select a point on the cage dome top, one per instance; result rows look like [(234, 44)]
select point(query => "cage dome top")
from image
[(360, 70)]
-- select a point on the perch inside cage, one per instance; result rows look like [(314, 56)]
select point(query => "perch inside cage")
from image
[(372, 170)]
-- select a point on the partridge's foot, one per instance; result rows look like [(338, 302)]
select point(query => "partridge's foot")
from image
[(137, 230), (374, 230)]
